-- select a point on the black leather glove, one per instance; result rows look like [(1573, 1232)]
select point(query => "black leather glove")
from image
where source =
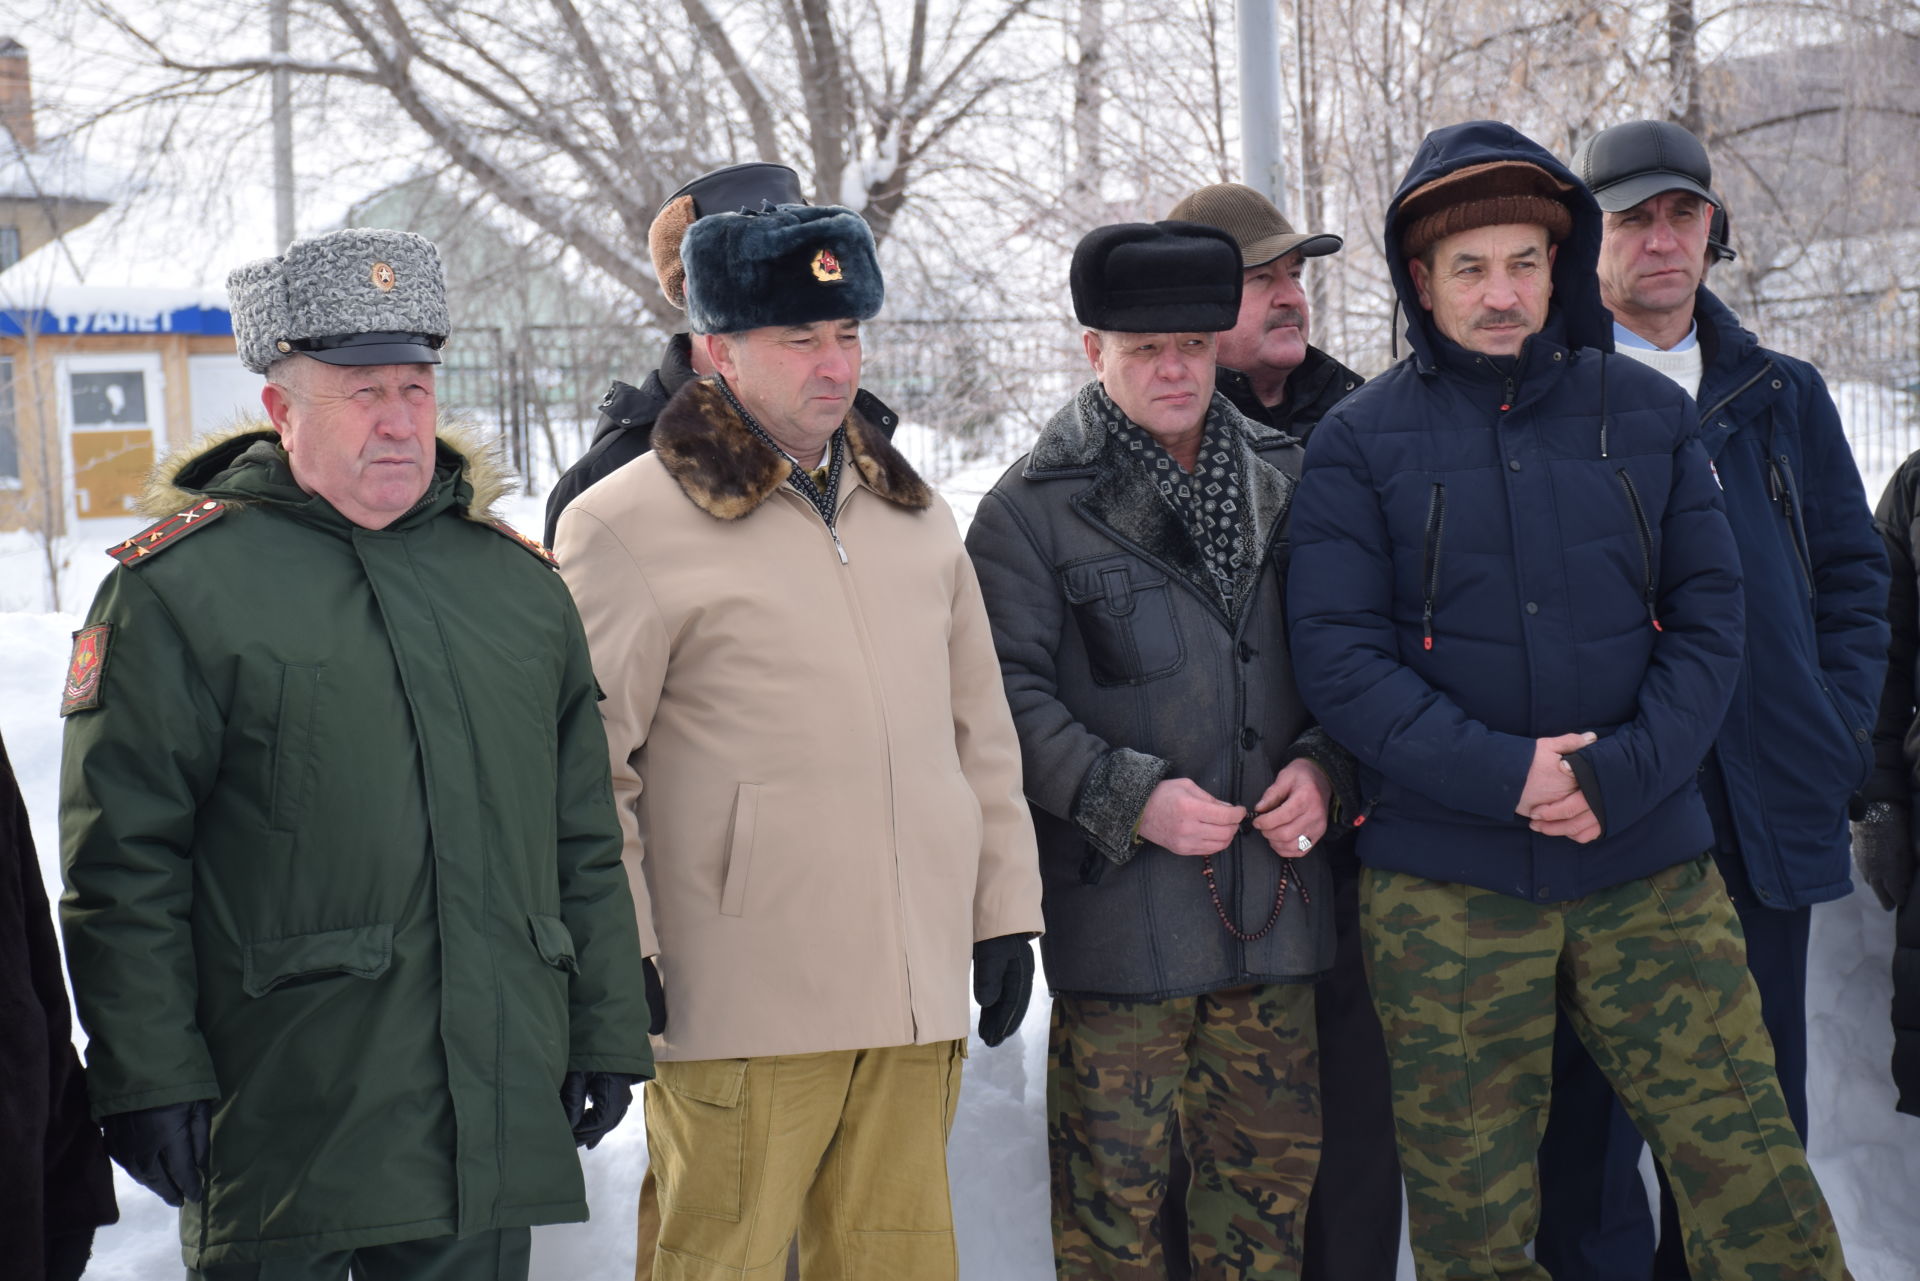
[(1883, 852), (163, 1148), (656, 998), (611, 1093), (1002, 983)]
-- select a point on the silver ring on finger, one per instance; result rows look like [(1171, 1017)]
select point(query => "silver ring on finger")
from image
[(1303, 843)]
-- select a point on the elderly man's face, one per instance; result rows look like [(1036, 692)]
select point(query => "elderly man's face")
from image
[(1488, 288), (1163, 382), (1271, 334), (797, 380), (1654, 255), (359, 436)]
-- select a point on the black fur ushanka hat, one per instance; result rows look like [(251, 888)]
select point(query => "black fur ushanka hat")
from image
[(785, 265), (1160, 277)]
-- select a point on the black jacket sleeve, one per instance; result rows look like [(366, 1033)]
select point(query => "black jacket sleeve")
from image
[(1892, 779)]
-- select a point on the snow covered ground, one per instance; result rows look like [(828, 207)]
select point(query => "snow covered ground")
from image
[(1867, 1156)]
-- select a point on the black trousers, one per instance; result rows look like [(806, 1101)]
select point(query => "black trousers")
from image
[(1353, 1218)]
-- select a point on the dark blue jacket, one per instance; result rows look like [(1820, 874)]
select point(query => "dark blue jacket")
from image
[(1491, 551), (1798, 739)]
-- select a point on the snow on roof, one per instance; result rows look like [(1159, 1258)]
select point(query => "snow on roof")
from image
[(57, 170), (93, 309)]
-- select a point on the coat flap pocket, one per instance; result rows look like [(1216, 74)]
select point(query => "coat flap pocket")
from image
[(364, 951), (1114, 578), (721, 1082), (555, 941)]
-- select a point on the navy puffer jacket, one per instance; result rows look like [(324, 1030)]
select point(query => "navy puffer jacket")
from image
[(1491, 551), (1797, 742)]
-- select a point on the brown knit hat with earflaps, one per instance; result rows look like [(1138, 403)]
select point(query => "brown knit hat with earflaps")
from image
[(1485, 195)]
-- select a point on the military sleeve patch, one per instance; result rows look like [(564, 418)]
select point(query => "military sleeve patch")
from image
[(535, 548), (163, 534), (86, 667)]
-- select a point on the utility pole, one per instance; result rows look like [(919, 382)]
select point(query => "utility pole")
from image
[(282, 130), (1261, 166)]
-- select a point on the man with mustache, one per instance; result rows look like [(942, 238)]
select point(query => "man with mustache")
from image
[(1274, 376), (1515, 598), (1795, 746), (1267, 366)]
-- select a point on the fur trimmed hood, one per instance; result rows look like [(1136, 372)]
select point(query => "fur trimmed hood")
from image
[(728, 471), (169, 488)]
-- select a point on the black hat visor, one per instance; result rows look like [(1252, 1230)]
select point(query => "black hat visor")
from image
[(741, 187), (1630, 191), (372, 349)]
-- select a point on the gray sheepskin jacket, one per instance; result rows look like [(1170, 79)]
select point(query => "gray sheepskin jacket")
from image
[(1123, 669)]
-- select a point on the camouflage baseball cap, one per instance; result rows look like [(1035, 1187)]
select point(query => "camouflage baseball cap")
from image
[(360, 296)]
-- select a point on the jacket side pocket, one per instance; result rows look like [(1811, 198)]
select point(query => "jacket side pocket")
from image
[(746, 809), (365, 951), (554, 941)]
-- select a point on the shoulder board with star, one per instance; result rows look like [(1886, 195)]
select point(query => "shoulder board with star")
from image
[(533, 548), (163, 534)]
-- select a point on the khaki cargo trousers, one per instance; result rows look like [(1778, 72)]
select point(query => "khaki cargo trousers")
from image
[(1653, 976), (847, 1149)]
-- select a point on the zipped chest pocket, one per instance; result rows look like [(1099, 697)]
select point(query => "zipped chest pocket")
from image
[(1430, 560), (1782, 490), (1643, 531)]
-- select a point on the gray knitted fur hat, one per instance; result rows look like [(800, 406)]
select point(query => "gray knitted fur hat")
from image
[(361, 296)]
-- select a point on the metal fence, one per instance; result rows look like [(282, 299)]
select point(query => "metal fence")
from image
[(1867, 347), (980, 389)]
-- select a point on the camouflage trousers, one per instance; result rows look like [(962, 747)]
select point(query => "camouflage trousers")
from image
[(1654, 979), (1242, 1068)]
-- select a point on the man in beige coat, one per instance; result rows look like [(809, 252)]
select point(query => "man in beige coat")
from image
[(818, 776)]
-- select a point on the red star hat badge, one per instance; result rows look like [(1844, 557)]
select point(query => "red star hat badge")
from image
[(826, 267)]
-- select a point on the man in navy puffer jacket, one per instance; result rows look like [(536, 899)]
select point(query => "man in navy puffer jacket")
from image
[(1515, 598)]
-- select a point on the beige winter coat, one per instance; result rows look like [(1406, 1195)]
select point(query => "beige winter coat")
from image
[(813, 760)]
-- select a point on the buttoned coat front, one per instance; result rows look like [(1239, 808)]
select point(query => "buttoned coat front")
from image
[(812, 755)]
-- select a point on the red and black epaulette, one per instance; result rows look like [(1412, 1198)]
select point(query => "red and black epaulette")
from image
[(537, 549), (165, 533)]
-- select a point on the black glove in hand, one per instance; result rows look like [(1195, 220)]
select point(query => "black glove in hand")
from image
[(1002, 983), (1883, 852), (611, 1093), (656, 998), (163, 1148)]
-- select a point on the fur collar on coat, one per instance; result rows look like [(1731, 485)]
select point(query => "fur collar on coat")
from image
[(486, 472), (728, 471)]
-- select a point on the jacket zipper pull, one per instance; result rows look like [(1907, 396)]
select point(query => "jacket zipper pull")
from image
[(1654, 617), (1426, 625), (1603, 438), (837, 544), (1509, 401)]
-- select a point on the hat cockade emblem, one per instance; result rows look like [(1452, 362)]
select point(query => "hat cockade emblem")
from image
[(826, 267), (382, 277)]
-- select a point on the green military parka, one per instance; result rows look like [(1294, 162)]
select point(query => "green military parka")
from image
[(341, 855)]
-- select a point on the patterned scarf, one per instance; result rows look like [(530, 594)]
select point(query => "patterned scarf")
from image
[(1208, 500), (817, 486)]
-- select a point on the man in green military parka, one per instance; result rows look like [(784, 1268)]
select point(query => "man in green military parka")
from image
[(345, 912)]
